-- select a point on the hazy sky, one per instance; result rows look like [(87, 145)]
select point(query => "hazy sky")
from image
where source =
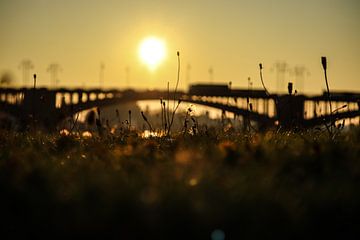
[(230, 36)]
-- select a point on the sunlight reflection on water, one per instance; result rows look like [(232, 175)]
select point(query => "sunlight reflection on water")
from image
[(148, 134), (154, 106)]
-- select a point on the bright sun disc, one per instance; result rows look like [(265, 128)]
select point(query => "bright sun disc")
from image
[(152, 52)]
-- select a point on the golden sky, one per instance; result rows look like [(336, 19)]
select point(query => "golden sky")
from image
[(231, 37)]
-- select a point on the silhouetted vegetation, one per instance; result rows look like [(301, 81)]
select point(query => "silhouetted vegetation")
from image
[(191, 186), (106, 178)]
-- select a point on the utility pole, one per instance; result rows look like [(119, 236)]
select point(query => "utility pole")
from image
[(188, 69), (299, 72), (211, 74), (54, 69), (101, 74), (127, 76), (281, 68), (249, 83), (26, 65)]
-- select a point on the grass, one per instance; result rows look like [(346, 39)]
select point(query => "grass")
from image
[(270, 185)]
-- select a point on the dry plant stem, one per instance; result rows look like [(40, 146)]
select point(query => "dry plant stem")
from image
[(262, 81), (329, 97), (32, 104), (324, 65), (129, 119), (172, 117), (178, 79), (162, 114), (168, 104), (76, 119), (176, 87), (185, 123), (34, 81), (339, 108), (146, 120)]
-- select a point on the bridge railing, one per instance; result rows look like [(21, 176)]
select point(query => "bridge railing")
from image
[(242, 101)]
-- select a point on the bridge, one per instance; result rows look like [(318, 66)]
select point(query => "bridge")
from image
[(48, 107)]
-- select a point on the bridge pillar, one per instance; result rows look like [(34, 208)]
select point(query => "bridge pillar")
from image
[(80, 95), (358, 105), (325, 105), (39, 107), (71, 98), (290, 111), (266, 106)]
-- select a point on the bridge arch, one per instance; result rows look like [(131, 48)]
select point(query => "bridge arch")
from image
[(263, 120), (45, 103)]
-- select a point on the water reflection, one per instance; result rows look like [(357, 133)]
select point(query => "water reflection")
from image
[(154, 106), (149, 134)]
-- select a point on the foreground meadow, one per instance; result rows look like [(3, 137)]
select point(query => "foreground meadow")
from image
[(213, 185)]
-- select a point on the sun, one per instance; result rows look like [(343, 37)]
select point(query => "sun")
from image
[(152, 52)]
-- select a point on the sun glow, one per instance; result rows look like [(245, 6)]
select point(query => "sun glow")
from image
[(152, 52)]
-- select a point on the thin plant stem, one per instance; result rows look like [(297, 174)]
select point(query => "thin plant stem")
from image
[(168, 104), (162, 114), (147, 121), (176, 87), (324, 65), (34, 81), (76, 119), (178, 78), (172, 117), (262, 81), (129, 119)]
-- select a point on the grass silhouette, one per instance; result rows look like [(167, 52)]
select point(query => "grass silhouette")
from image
[(296, 185)]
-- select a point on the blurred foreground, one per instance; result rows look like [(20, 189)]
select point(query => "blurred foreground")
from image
[(212, 185)]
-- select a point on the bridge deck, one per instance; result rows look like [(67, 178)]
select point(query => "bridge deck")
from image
[(64, 102)]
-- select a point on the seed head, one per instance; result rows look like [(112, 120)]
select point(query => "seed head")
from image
[(324, 63), (290, 88)]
